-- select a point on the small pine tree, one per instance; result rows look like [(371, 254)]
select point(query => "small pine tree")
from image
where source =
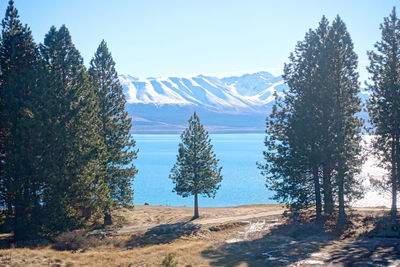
[(196, 170), (169, 260), (115, 128)]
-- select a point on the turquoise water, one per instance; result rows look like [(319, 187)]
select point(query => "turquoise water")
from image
[(238, 153)]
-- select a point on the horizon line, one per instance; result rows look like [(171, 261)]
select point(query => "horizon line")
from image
[(215, 74)]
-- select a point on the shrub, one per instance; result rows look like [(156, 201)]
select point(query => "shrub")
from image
[(79, 240), (169, 260)]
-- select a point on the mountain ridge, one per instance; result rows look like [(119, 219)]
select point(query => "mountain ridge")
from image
[(249, 92), (234, 104)]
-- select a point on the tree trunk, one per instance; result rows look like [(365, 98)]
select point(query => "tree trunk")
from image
[(394, 180), (327, 184), (342, 213), (196, 207), (20, 225), (22, 218), (107, 218), (9, 206), (87, 213), (317, 189), (397, 166), (393, 211), (340, 175)]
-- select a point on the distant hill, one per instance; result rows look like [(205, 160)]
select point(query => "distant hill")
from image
[(237, 104)]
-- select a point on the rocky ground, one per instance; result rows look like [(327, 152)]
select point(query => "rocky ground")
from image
[(256, 235)]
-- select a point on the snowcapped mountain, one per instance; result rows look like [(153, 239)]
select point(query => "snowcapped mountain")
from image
[(237, 104), (231, 104), (247, 93)]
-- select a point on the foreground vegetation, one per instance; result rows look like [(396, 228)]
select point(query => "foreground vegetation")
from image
[(255, 235)]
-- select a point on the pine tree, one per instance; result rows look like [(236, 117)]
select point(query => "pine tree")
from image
[(75, 150), (384, 103), (346, 126), (312, 133), (196, 170), (300, 125), (293, 132), (322, 82), (20, 182), (115, 126)]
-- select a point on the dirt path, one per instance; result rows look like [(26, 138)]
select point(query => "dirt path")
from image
[(199, 222), (144, 218), (147, 218), (237, 218)]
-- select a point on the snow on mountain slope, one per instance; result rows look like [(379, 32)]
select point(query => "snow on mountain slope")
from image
[(251, 84), (247, 93), (230, 104)]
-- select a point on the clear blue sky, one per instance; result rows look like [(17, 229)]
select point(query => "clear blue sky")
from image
[(180, 38)]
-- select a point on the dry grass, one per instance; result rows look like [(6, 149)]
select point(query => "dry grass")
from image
[(134, 241), (234, 236), (186, 251)]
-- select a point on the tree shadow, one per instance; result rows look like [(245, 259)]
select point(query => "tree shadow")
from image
[(368, 252), (378, 247), (285, 244), (162, 234), (365, 241)]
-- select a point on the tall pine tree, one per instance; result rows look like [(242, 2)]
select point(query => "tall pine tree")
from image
[(313, 134), (384, 103), (346, 126), (75, 150), (115, 128), (20, 182), (196, 170), (293, 132)]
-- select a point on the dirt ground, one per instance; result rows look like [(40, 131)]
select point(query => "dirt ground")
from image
[(255, 235)]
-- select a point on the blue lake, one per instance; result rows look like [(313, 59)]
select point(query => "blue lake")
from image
[(238, 153)]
